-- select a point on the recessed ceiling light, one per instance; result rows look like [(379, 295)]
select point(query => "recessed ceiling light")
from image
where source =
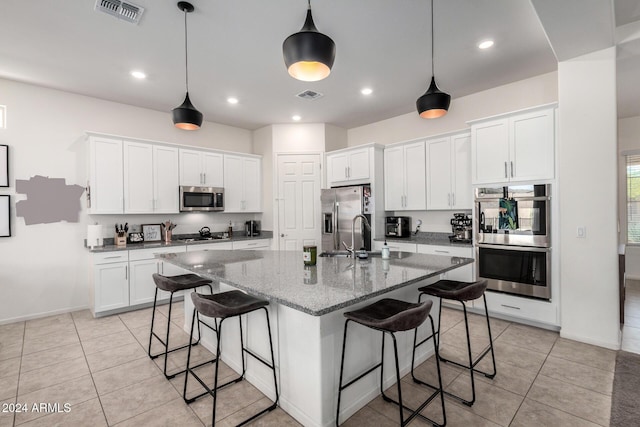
[(296, 118), (366, 91), (232, 100), (138, 74), (485, 44)]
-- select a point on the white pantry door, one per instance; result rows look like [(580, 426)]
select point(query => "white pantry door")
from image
[(298, 201)]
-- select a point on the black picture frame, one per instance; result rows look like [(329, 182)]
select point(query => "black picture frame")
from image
[(5, 216), (151, 232), (136, 237), (4, 165)]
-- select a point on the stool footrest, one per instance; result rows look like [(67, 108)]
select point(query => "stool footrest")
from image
[(206, 387), (416, 412), (362, 375)]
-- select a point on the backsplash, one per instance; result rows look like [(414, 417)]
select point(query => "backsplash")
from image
[(432, 221)]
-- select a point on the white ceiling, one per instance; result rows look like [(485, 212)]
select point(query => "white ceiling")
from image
[(235, 49)]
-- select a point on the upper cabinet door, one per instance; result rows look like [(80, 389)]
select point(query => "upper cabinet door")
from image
[(165, 179), (337, 168), (138, 177), (358, 168), (233, 178), (105, 175), (532, 146), (439, 174), (212, 169), (191, 168), (394, 178), (490, 151), (415, 177), (461, 177), (252, 185)]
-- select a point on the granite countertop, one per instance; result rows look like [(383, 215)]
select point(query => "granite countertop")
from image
[(178, 240), (427, 238), (332, 284)]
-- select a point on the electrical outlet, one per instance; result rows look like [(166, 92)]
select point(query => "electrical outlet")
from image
[(581, 232)]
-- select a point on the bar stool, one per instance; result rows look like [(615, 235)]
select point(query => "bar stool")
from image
[(390, 316), (461, 291), (173, 284), (220, 307)]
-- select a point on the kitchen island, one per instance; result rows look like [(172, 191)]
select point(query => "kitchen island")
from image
[(306, 307)]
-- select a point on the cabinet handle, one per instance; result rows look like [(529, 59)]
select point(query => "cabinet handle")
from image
[(505, 170), (511, 169), (510, 306), (449, 199), (251, 244), (204, 177), (441, 252), (113, 257), (126, 272), (162, 264)]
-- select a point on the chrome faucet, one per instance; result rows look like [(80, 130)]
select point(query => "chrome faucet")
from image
[(351, 248)]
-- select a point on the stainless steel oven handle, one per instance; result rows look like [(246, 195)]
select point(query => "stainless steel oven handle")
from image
[(514, 248), (510, 306)]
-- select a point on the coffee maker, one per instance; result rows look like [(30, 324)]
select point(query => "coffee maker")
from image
[(461, 226), (252, 228)]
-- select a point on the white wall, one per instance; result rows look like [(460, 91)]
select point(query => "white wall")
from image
[(587, 168), (526, 93), (43, 268)]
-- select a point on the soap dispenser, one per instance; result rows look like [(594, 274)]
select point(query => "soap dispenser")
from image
[(385, 251)]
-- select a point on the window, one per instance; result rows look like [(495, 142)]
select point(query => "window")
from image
[(633, 199)]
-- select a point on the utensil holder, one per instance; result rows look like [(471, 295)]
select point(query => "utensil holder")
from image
[(120, 239), (166, 233)]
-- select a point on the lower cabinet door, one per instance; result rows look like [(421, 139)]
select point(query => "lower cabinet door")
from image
[(142, 288), (111, 286)]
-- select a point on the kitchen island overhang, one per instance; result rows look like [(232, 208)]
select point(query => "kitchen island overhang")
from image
[(307, 305)]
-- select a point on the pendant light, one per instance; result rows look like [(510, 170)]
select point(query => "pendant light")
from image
[(434, 103), (186, 116), (309, 54)]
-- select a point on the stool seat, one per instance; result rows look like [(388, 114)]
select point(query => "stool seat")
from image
[(391, 315), (180, 282), (455, 290), (226, 304)]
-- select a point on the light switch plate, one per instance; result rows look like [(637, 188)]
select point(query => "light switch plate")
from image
[(581, 232)]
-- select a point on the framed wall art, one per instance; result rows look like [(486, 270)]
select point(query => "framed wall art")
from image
[(5, 216), (151, 232), (4, 165)]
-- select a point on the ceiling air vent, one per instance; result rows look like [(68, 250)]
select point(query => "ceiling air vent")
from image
[(120, 9), (310, 95)]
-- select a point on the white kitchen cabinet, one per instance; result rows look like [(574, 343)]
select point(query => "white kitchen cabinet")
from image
[(243, 183), (346, 167), (105, 175), (522, 308), (448, 174), (405, 177), (395, 246), (514, 148), (110, 281), (218, 246), (259, 244), (465, 273), (150, 178), (142, 264), (202, 168)]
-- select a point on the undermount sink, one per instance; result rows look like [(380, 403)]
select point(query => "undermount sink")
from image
[(345, 254)]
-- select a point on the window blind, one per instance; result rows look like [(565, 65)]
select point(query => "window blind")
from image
[(633, 199)]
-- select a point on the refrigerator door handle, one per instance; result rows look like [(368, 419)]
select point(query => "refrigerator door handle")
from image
[(336, 236)]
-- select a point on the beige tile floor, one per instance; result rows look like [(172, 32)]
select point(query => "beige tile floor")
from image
[(100, 368)]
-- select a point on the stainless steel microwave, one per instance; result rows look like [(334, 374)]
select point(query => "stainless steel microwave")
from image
[(201, 199)]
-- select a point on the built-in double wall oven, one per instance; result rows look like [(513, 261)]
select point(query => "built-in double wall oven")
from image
[(513, 239)]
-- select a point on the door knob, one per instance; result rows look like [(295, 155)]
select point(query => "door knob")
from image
[(282, 235)]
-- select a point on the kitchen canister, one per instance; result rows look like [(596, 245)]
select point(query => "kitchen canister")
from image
[(309, 254)]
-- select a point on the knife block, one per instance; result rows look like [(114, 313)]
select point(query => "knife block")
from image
[(120, 239)]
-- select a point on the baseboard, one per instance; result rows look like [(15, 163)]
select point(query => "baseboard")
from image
[(628, 276), (42, 314), (589, 340)]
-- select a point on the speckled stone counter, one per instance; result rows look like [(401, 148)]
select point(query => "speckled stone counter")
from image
[(178, 240), (334, 283), (427, 238)]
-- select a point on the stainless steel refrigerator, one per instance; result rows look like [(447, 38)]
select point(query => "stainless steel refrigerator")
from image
[(339, 207)]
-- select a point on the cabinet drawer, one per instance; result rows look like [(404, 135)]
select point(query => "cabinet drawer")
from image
[(210, 246), (110, 257), (140, 254), (538, 311), (446, 250), (252, 244), (396, 246)]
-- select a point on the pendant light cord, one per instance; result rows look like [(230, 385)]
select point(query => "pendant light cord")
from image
[(432, 73), (186, 53)]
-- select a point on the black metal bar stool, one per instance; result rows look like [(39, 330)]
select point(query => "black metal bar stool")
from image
[(390, 316), (461, 291), (220, 307), (173, 284)]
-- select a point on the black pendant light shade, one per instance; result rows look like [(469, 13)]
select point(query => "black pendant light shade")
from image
[(186, 116), (309, 54), (434, 103)]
